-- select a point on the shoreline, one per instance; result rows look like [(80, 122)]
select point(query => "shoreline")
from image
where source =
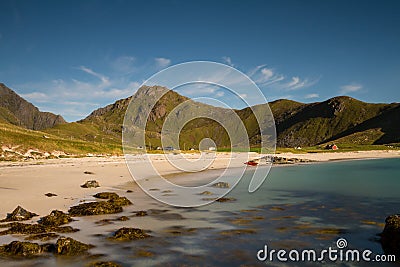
[(26, 183)]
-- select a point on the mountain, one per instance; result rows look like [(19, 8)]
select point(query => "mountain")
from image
[(343, 119), (16, 110)]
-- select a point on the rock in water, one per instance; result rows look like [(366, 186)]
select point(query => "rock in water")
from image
[(126, 234), (17, 248), (120, 201), (104, 264), (94, 208), (19, 214), (91, 184), (56, 218), (70, 247), (106, 195), (390, 237), (23, 228), (221, 185)]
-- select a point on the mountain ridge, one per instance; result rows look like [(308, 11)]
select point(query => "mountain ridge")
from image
[(340, 119), (25, 114)]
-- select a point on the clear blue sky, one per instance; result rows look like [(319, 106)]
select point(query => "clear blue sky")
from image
[(70, 57)]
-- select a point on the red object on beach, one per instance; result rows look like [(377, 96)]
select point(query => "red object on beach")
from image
[(251, 163)]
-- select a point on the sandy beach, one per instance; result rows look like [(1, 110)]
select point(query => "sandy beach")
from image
[(26, 183)]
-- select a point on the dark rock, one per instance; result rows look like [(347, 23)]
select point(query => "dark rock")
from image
[(222, 199), (206, 193), (123, 218), (126, 234), (390, 237), (24, 249), (56, 218), (70, 247), (221, 185), (120, 201), (141, 213), (88, 172), (50, 195), (91, 184), (106, 195), (129, 191), (23, 228), (95, 208), (43, 237), (19, 214), (64, 229), (226, 199), (104, 264)]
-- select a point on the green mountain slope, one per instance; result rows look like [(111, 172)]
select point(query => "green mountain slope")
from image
[(343, 120)]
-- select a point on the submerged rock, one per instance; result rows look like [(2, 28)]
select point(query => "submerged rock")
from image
[(122, 218), (23, 228), (120, 201), (95, 208), (91, 184), (56, 218), (104, 264), (208, 193), (106, 195), (24, 249), (221, 185), (126, 234), (19, 214), (141, 213), (43, 237), (390, 237), (70, 247)]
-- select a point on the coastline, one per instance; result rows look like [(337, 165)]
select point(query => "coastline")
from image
[(26, 183)]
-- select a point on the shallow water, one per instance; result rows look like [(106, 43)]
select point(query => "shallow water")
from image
[(297, 207)]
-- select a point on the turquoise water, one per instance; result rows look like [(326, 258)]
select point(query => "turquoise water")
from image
[(297, 207)]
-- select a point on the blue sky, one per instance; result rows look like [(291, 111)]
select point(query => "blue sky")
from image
[(71, 57)]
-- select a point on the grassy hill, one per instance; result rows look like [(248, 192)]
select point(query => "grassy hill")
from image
[(343, 120)]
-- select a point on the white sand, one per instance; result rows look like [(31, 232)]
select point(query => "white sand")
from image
[(26, 183)]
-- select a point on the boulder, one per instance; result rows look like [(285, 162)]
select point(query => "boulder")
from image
[(70, 247), (103, 264), (390, 237), (94, 208), (221, 185), (19, 214), (126, 234), (91, 184), (23, 249), (106, 195), (56, 218)]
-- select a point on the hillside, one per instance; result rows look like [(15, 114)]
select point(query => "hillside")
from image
[(16, 110), (343, 120)]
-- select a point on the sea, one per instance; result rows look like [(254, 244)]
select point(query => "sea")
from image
[(335, 207)]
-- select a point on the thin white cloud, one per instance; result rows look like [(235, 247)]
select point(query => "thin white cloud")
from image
[(162, 62), (124, 64), (36, 97), (298, 83), (104, 79), (311, 96), (264, 76), (349, 88), (228, 61), (220, 94)]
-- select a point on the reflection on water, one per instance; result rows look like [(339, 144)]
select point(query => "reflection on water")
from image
[(298, 207)]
